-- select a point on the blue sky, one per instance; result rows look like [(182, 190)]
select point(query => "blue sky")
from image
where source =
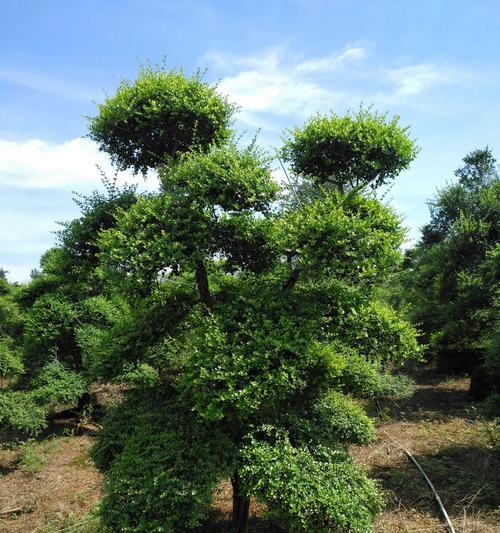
[(436, 63)]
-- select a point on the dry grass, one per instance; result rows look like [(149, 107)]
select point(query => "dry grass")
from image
[(54, 484), (60, 485), (440, 427)]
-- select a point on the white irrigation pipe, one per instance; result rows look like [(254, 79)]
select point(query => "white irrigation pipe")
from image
[(429, 482)]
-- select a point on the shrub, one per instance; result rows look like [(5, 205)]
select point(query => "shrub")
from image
[(56, 384), (313, 492), (19, 411)]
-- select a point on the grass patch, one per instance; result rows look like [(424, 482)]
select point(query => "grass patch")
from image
[(33, 455), (72, 523)]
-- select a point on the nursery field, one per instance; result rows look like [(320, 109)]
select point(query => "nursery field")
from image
[(50, 485)]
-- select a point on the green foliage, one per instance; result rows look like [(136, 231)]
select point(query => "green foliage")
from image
[(11, 316), (10, 359), (379, 334), (313, 491), (55, 384), (452, 281), (225, 178), (243, 310), (350, 151), (492, 358), (491, 406), (162, 114), (251, 352), (330, 420), (11, 329), (207, 209), (363, 379), (49, 331), (19, 411), (65, 317), (162, 466), (346, 237), (480, 169), (78, 238)]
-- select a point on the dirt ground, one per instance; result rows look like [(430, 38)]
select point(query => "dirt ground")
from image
[(440, 426), (50, 485)]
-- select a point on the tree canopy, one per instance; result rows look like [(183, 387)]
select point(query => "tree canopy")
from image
[(162, 115), (244, 320), (350, 151), (256, 317)]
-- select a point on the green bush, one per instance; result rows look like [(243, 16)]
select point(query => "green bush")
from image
[(332, 419), (161, 467), (19, 411), (56, 384), (10, 359), (313, 492), (49, 332), (491, 406), (363, 379)]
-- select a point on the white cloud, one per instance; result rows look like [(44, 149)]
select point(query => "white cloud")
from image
[(276, 92), (332, 62), (280, 84), (70, 165), (268, 83), (415, 79), (36, 183)]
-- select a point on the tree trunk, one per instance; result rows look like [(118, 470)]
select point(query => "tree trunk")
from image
[(202, 284), (241, 507)]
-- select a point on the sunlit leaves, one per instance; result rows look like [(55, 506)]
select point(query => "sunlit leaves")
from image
[(160, 115), (354, 150)]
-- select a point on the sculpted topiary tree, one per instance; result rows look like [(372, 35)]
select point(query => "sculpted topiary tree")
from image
[(257, 321)]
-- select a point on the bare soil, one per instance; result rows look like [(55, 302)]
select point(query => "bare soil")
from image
[(50, 485)]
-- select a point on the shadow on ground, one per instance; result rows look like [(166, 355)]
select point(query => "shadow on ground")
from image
[(464, 477), (436, 398), (216, 524)]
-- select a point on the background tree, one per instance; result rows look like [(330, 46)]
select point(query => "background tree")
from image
[(258, 324), (11, 329), (452, 281), (64, 306)]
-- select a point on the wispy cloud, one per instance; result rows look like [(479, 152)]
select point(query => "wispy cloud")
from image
[(70, 165), (271, 82), (415, 79), (47, 84), (332, 62), (274, 82)]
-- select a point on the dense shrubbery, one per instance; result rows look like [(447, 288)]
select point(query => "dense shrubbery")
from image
[(311, 490), (52, 328), (161, 465)]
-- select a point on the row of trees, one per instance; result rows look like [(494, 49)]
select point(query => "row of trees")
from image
[(244, 316)]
